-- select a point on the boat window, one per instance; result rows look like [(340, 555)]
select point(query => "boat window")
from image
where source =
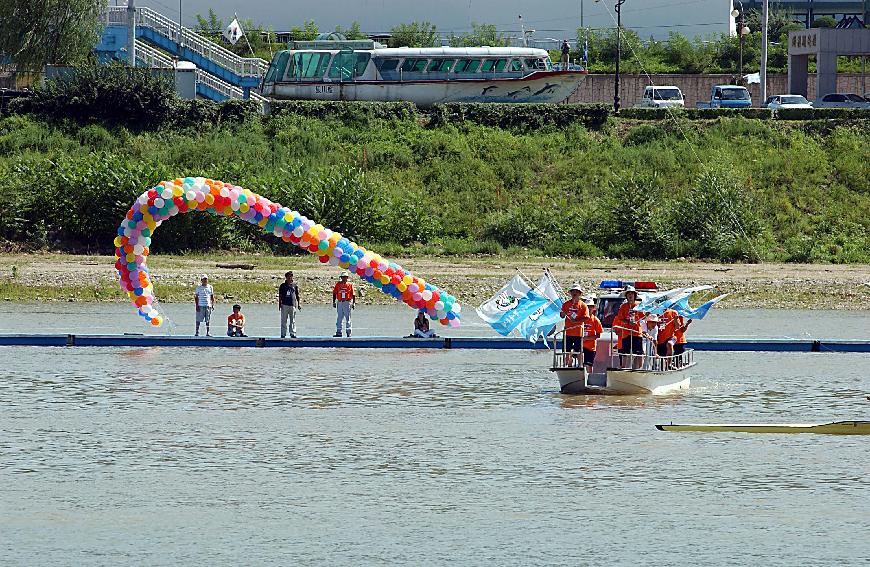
[(440, 65), (362, 61), (536, 64), (516, 65), (386, 64), (412, 65), (276, 69), (460, 66), (309, 64), (500, 65), (487, 66), (346, 65), (473, 66)]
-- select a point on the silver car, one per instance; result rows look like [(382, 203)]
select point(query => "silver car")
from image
[(841, 100)]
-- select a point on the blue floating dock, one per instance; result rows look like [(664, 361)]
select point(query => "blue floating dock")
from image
[(480, 343)]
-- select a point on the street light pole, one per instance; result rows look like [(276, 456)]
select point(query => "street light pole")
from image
[(742, 30)]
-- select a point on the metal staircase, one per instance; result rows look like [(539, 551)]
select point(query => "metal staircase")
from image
[(207, 85), (216, 64)]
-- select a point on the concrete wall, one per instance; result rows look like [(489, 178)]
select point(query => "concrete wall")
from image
[(599, 88)]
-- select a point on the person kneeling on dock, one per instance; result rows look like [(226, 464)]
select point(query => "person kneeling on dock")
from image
[(421, 326), (576, 314), (593, 332), (236, 322)]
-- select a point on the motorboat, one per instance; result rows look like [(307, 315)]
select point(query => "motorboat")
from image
[(338, 69), (616, 374)]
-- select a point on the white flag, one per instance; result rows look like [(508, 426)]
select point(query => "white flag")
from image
[(234, 31), (752, 78)]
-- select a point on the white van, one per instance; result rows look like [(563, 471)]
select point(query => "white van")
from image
[(661, 96)]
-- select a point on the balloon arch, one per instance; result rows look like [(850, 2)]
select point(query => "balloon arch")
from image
[(170, 198)]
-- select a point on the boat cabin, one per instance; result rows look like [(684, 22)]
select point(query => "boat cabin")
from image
[(342, 60)]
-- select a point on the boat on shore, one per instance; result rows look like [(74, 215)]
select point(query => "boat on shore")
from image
[(832, 428), (620, 374), (338, 69)]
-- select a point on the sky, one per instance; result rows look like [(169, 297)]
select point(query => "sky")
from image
[(549, 18)]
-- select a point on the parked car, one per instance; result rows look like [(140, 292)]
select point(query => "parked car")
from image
[(660, 97), (841, 100), (727, 96), (787, 101)]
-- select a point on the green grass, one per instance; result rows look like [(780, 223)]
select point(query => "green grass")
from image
[(731, 189)]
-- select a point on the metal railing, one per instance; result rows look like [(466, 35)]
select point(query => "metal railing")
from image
[(148, 18), (649, 360), (157, 59)]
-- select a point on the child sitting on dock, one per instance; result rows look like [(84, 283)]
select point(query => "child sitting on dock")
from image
[(421, 326), (236, 322)]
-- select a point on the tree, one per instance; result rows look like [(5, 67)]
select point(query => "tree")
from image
[(415, 34), (353, 32), (824, 22), (211, 26), (60, 32), (779, 22), (481, 34), (308, 32)]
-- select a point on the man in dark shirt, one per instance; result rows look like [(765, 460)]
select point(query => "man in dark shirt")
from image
[(288, 304)]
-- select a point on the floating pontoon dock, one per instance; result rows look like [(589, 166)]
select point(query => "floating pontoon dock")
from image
[(480, 343)]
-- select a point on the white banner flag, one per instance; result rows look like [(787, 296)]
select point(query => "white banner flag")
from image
[(234, 31)]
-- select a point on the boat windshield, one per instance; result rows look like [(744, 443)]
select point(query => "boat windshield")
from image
[(308, 65), (607, 308)]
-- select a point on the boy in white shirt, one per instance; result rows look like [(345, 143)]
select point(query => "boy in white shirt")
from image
[(203, 298)]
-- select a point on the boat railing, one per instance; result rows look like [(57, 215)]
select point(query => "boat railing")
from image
[(649, 360), (562, 358)]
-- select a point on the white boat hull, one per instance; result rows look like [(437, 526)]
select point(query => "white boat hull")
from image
[(646, 382), (539, 87)]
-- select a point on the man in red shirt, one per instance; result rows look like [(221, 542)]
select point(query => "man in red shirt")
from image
[(627, 322), (575, 313), (590, 339), (343, 299)]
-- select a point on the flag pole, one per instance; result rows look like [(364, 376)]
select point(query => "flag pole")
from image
[(245, 35)]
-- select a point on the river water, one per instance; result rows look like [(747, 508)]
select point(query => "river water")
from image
[(170, 456)]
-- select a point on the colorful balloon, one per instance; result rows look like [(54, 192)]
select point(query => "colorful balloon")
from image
[(169, 198)]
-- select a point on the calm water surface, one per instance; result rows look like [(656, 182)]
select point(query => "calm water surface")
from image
[(347, 457)]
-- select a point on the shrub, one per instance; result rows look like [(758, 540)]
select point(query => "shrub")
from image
[(113, 95), (644, 134)]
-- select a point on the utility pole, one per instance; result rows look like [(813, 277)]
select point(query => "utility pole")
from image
[(619, 4), (131, 33), (764, 14)]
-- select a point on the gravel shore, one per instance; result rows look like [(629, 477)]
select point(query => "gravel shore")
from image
[(254, 278)]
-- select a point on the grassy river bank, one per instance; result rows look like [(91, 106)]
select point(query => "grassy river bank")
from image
[(62, 277)]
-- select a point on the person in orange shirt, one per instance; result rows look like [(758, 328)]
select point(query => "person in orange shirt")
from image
[(680, 326), (343, 299), (575, 313), (236, 322), (593, 332), (627, 322), (665, 341)]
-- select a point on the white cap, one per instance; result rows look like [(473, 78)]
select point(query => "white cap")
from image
[(344, 275), (629, 289), (203, 277), (575, 287)]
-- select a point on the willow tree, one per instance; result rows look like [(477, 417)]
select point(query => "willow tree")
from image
[(37, 33)]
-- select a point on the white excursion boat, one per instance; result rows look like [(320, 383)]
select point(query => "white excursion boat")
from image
[(615, 374), (336, 69)]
